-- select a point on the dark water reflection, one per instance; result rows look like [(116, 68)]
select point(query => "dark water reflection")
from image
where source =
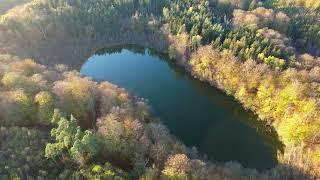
[(198, 114)]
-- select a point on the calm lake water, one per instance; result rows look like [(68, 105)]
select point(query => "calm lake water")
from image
[(196, 113)]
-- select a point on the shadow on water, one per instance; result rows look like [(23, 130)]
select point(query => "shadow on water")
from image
[(198, 114), (270, 138), (118, 49)]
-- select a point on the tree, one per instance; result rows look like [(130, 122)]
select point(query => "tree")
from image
[(45, 103), (85, 148), (17, 108), (177, 167), (77, 96), (274, 62), (22, 153), (71, 141), (196, 41)]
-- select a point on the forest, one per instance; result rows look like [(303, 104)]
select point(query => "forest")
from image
[(56, 124), (8, 4)]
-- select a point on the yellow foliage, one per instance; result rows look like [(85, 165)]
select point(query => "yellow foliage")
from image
[(76, 95), (20, 96), (43, 98), (295, 131), (12, 79), (97, 169), (316, 156), (26, 67), (45, 103), (242, 93), (177, 167)]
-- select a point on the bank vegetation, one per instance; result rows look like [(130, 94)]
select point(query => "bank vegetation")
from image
[(55, 123)]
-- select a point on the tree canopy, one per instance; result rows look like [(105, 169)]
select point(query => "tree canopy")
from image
[(263, 53)]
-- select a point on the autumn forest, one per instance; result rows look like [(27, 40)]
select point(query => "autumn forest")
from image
[(58, 124)]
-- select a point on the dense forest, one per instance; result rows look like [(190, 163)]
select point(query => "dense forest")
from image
[(8, 4), (56, 124)]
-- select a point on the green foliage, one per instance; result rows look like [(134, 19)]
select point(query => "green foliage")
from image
[(45, 104), (22, 153), (96, 171), (305, 30), (304, 26), (80, 146), (272, 61), (88, 145), (126, 135), (196, 17), (244, 43), (17, 108), (247, 44)]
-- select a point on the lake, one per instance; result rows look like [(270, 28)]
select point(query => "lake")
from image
[(196, 113)]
